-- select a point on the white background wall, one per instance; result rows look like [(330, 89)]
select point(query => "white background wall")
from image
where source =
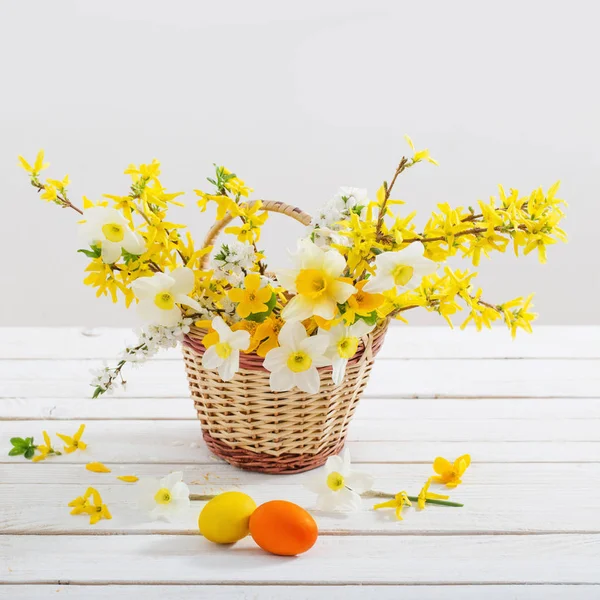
[(298, 98)]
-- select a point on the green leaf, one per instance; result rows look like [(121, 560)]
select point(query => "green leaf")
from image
[(128, 257), (95, 252), (17, 442), (29, 453), (260, 317), (16, 451), (370, 319)]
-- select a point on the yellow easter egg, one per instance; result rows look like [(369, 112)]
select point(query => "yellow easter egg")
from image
[(225, 519)]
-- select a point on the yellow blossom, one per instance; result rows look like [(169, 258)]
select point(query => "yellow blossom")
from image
[(50, 193), (236, 185), (73, 443), (45, 449), (97, 467), (79, 505), (398, 502), (450, 473), (38, 165), (267, 333), (425, 495), (419, 155), (253, 298), (249, 232), (98, 510), (251, 327), (128, 478), (362, 303)]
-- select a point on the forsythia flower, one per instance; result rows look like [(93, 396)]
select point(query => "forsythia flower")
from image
[(361, 303), (295, 362), (338, 486), (420, 155), (399, 502), (160, 294), (236, 185), (73, 443), (267, 333), (249, 232), (96, 511), (252, 299), (38, 165), (45, 449), (317, 283), (450, 473), (425, 495), (224, 355)]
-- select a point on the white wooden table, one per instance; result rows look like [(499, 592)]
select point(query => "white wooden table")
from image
[(527, 411)]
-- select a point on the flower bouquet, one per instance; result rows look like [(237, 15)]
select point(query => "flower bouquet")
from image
[(277, 360)]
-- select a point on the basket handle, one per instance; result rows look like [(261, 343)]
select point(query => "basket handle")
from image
[(268, 205)]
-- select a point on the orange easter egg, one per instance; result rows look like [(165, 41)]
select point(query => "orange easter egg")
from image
[(283, 528)]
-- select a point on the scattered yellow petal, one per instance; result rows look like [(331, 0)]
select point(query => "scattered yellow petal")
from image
[(97, 467), (128, 478)]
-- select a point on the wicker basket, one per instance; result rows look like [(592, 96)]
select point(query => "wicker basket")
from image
[(253, 428)]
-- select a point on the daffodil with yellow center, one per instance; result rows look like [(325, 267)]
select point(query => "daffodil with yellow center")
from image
[(73, 443), (398, 503), (338, 485), (317, 283), (253, 298), (343, 343), (164, 498), (109, 229), (224, 353), (160, 294), (450, 473), (396, 270), (294, 363)]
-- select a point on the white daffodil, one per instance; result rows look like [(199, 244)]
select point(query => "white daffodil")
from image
[(398, 269), (343, 343), (294, 363), (109, 229), (160, 294), (338, 486), (316, 281), (164, 498), (225, 354)]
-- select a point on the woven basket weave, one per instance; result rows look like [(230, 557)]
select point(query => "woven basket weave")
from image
[(253, 428)]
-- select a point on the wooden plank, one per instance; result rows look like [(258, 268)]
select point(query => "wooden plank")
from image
[(390, 379), (302, 592), (101, 434), (499, 499), (529, 559), (401, 342), (109, 408), (413, 441)]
